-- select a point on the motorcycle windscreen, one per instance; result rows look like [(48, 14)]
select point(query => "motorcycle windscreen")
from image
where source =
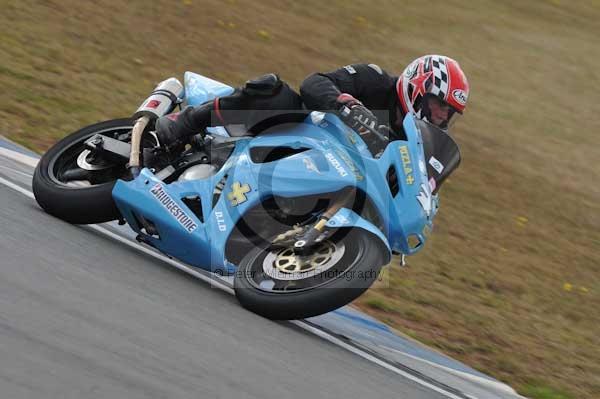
[(441, 153)]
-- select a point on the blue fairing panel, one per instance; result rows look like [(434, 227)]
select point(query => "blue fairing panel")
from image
[(324, 157), (347, 218), (200, 89)]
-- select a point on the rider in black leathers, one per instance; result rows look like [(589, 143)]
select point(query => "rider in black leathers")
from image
[(432, 87), (259, 99)]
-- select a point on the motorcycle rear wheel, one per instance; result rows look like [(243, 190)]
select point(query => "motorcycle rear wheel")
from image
[(79, 201), (315, 291)]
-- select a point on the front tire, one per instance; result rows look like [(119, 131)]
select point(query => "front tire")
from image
[(78, 203), (350, 275)]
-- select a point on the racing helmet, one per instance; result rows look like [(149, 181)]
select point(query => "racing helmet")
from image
[(433, 77)]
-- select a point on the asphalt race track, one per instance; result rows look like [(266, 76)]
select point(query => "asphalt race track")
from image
[(84, 316)]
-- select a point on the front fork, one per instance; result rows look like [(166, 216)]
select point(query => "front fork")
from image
[(314, 234)]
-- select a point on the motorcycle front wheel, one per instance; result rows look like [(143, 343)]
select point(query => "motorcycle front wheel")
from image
[(282, 285)]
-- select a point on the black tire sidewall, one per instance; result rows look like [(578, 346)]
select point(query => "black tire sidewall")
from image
[(88, 205), (366, 258)]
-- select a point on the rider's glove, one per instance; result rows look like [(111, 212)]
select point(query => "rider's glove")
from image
[(355, 114)]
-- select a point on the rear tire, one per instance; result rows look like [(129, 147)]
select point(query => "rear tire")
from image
[(78, 205), (360, 264)]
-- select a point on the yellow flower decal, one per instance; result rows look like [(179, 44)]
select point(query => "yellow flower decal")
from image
[(238, 192)]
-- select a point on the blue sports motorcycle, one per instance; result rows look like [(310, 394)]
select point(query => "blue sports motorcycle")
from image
[(303, 215)]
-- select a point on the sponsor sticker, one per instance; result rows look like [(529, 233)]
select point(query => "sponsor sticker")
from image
[(411, 70), (170, 205), (336, 164), (350, 69), (238, 192), (341, 219), (153, 104), (220, 221), (350, 165), (424, 198), (437, 165), (406, 165), (310, 165), (432, 184), (460, 96)]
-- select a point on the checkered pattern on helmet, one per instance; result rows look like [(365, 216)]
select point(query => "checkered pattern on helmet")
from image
[(440, 77)]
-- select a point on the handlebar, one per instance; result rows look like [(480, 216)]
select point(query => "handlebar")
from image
[(376, 148)]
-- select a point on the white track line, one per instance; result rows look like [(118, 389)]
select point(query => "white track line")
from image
[(365, 355), (17, 156), (212, 281), (16, 187), (28, 175), (464, 375)]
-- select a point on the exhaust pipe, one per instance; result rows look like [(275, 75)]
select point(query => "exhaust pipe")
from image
[(162, 101)]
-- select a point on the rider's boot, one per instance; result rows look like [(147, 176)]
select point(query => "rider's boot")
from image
[(175, 129)]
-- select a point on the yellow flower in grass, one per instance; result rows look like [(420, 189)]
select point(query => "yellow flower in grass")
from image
[(583, 290), (264, 34), (521, 221), (361, 22), (567, 287)]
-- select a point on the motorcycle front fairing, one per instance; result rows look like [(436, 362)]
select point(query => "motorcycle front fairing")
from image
[(201, 240), (408, 208), (325, 157)]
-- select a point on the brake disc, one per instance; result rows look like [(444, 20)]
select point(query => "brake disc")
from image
[(82, 162), (285, 264)]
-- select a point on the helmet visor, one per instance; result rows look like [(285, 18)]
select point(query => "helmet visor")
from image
[(439, 112), (453, 116)]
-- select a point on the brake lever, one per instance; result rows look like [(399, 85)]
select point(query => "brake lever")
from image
[(376, 132)]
